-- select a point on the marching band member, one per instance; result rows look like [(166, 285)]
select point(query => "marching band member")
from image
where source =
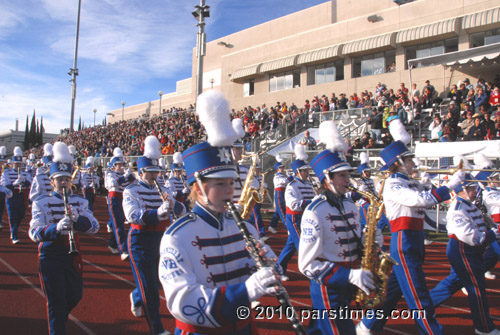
[(163, 171), (41, 183), (148, 215), (76, 178), (298, 194), (31, 165), (60, 272), (469, 238), (366, 184), (255, 214), (176, 182), (112, 244), (490, 201), (331, 260), (404, 201), (18, 182), (4, 192), (89, 182), (280, 181), (203, 299), (116, 181)]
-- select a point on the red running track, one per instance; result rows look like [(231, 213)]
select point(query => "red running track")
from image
[(105, 307)]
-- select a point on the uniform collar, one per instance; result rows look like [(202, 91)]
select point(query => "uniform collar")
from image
[(57, 195), (207, 216), (460, 199), (146, 185)]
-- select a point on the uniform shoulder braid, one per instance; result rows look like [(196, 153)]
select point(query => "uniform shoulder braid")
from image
[(180, 222)]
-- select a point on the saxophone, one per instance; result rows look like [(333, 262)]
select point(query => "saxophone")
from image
[(380, 267), (249, 195)]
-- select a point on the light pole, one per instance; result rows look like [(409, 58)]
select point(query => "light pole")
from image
[(160, 93), (200, 13), (212, 81), (74, 70), (95, 111), (123, 107)]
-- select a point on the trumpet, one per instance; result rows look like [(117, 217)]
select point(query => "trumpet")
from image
[(73, 250)]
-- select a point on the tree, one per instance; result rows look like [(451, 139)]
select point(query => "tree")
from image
[(42, 130), (80, 124), (32, 131), (26, 135)]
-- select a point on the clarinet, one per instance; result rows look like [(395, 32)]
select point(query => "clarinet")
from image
[(163, 197), (19, 176), (72, 244), (282, 294)]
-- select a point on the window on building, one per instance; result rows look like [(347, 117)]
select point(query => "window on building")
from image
[(325, 73), (374, 64), (430, 49), (248, 88), (284, 80), (484, 38)]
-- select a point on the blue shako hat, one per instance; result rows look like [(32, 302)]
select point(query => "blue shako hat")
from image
[(3, 154), (482, 162), (364, 163), (278, 165), (152, 154), (465, 183), (62, 164), (213, 158), (18, 155), (301, 155), (330, 162), (208, 162), (48, 154), (398, 148), (117, 157), (332, 159)]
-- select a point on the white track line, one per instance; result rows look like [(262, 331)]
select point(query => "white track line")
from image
[(37, 290)]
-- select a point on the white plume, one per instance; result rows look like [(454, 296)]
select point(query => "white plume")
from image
[(329, 134), (18, 152), (458, 158), (363, 157), (300, 152), (61, 153), (3, 151), (72, 149), (117, 152), (32, 156), (47, 150), (279, 159), (152, 147), (417, 162), (161, 162), (89, 161), (481, 162), (177, 158), (398, 131), (238, 127), (213, 110)]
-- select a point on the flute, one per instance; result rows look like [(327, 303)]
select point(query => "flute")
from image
[(72, 243), (282, 294)]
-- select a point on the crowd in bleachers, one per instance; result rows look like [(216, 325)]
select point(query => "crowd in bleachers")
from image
[(470, 112)]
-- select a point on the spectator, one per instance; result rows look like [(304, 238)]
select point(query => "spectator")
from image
[(357, 144), (401, 112), (427, 100), (495, 98), (489, 126), (349, 151), (435, 127), (477, 132), (467, 124), (343, 101), (375, 121), (424, 139), (308, 141), (430, 87), (455, 94), (479, 98)]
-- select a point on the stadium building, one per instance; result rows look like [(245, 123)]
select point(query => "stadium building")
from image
[(343, 46)]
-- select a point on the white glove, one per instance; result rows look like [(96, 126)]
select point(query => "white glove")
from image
[(425, 179), (261, 283), (379, 238), (73, 213), (186, 190), (164, 209), (362, 279), (456, 179), (64, 224), (8, 193)]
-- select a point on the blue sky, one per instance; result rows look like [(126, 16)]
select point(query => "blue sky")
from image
[(128, 51)]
